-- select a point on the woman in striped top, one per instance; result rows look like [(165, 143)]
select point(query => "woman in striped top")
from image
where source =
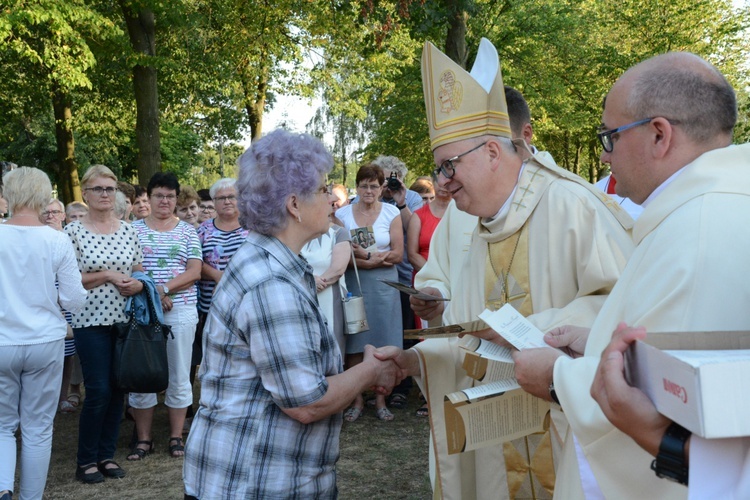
[(172, 258), (220, 238)]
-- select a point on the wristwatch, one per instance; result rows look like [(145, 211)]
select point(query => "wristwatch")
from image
[(670, 462), (401, 207), (166, 289), (553, 393)]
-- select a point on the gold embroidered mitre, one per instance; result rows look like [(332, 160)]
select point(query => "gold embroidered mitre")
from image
[(463, 105)]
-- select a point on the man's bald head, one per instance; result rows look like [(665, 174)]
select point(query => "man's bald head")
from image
[(684, 88)]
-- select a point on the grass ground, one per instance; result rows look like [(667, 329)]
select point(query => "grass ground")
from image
[(378, 460)]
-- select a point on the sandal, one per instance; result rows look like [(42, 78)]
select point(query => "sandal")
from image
[(353, 413), (397, 401), (176, 450), (115, 471), (138, 453), (384, 414), (89, 477), (74, 399), (423, 411), (66, 407)]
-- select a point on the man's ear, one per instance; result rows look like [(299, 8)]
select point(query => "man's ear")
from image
[(663, 136), (527, 133), (494, 152)]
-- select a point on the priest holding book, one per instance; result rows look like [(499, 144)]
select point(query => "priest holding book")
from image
[(546, 242)]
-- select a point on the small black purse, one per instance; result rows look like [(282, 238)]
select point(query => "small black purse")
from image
[(139, 358)]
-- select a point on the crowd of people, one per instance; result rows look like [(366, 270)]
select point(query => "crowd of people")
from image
[(250, 276)]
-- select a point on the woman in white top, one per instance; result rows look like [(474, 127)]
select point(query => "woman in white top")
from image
[(329, 255), (33, 328), (378, 242), (108, 252)]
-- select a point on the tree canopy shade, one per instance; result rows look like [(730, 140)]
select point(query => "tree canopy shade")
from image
[(564, 55), (45, 55), (175, 85)]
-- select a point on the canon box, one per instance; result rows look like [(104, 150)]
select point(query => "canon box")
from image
[(701, 380)]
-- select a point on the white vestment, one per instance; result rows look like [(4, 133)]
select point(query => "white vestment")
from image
[(689, 272), (577, 248), (631, 208)]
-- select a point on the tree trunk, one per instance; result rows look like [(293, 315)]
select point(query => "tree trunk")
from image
[(142, 31), (255, 99), (69, 188), (455, 41)]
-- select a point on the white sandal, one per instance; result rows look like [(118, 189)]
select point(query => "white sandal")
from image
[(384, 414), (66, 407)]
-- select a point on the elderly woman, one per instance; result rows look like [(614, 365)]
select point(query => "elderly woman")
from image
[(220, 238), (375, 262), (128, 192), (121, 209), (76, 210), (187, 206), (272, 390), (172, 258), (108, 253), (32, 333), (54, 216)]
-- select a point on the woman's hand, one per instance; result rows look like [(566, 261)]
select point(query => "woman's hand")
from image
[(379, 259), (166, 303), (129, 286), (116, 277), (320, 284)]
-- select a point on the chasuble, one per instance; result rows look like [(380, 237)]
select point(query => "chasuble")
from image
[(555, 253), (689, 272)]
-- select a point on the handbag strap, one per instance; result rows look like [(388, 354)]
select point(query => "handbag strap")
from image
[(356, 272), (151, 307)]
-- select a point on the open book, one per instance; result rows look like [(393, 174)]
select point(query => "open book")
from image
[(496, 409)]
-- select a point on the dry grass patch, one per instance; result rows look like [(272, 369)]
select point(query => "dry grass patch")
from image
[(378, 460)]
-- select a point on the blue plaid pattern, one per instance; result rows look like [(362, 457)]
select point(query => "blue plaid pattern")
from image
[(266, 347)]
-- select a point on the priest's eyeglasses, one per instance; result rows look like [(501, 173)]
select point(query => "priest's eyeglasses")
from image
[(605, 137), (448, 169)]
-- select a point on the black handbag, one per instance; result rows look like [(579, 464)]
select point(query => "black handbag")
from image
[(139, 359)]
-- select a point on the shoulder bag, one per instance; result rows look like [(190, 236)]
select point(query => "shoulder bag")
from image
[(139, 360), (354, 307)]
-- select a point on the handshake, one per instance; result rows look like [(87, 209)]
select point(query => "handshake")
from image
[(390, 366)]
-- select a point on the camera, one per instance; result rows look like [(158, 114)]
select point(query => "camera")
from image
[(393, 183)]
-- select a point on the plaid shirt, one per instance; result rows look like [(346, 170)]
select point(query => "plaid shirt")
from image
[(266, 347)]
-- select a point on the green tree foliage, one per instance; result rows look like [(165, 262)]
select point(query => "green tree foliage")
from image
[(222, 63), (46, 57), (563, 55)]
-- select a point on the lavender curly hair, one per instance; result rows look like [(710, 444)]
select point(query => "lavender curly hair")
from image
[(273, 168)]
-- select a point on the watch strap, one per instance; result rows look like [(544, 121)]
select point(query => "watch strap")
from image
[(553, 393), (671, 461)]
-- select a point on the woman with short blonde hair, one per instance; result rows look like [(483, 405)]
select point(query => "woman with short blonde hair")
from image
[(31, 339)]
